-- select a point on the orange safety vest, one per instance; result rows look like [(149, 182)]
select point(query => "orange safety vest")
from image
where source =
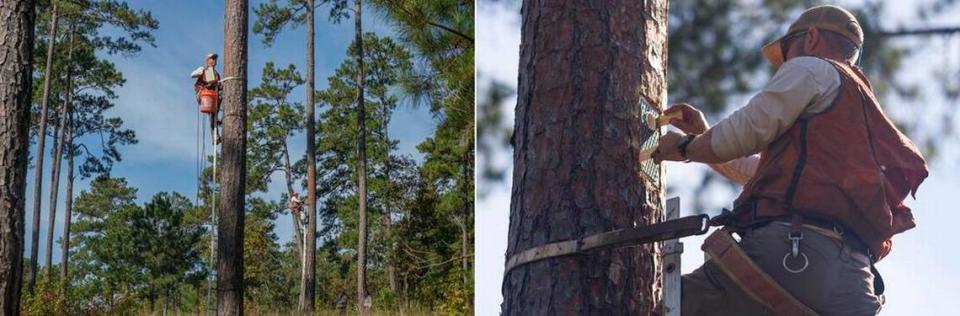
[(849, 164), (208, 88)]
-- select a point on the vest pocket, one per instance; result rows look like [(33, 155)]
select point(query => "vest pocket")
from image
[(865, 192)]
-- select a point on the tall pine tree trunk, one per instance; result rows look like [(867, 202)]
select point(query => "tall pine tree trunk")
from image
[(388, 198), (361, 168), (16, 34), (233, 168), (584, 66), (67, 216), (308, 275), (57, 157), (41, 139)]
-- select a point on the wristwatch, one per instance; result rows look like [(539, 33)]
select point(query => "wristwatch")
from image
[(682, 147)]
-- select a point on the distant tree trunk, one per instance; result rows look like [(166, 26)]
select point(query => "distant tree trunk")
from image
[(68, 215), (41, 139), (467, 222), (288, 177), (584, 66), (308, 276), (233, 169), (16, 32), (361, 168), (387, 201), (57, 157)]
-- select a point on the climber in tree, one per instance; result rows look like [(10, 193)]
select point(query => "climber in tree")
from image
[(207, 88), (296, 207)]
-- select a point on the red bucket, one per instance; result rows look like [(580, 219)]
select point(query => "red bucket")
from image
[(208, 101)]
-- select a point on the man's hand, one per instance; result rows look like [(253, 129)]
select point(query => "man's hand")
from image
[(692, 122), (668, 148)]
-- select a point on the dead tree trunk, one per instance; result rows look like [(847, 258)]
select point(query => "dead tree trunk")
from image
[(584, 66), (41, 139), (233, 169), (308, 276), (57, 157), (361, 168), (16, 69)]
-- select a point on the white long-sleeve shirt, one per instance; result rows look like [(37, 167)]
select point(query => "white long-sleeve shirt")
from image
[(197, 72), (803, 86)]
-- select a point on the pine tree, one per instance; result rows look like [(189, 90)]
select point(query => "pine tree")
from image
[(576, 173), (271, 18), (233, 171), (16, 29)]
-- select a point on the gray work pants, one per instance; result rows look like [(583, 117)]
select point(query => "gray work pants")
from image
[(837, 281)]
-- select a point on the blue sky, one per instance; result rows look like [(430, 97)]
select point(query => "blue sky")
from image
[(920, 274), (158, 102)]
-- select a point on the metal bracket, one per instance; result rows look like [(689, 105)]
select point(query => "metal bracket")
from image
[(672, 250)]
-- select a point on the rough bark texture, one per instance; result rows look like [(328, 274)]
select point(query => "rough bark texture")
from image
[(41, 149), (16, 69), (233, 168), (57, 159), (308, 279), (584, 66), (361, 169)]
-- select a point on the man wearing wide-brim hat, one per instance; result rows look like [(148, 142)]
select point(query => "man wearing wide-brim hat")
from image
[(824, 197)]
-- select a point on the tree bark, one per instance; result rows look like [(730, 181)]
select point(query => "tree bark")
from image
[(308, 277), (41, 139), (57, 158), (584, 66), (16, 69), (361, 168), (233, 169), (67, 216)]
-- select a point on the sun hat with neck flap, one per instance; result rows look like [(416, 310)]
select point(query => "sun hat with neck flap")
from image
[(826, 18)]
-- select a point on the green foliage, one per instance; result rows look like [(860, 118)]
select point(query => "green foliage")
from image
[(128, 257), (272, 119), (93, 80), (47, 299), (418, 215), (271, 276), (272, 16)]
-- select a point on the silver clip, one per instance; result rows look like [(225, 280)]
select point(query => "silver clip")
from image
[(795, 243)]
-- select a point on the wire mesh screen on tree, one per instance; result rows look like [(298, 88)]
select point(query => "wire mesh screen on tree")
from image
[(584, 67)]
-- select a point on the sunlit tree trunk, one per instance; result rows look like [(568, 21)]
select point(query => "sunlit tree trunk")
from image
[(233, 168), (41, 140), (584, 66), (16, 34), (361, 168), (308, 276)]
